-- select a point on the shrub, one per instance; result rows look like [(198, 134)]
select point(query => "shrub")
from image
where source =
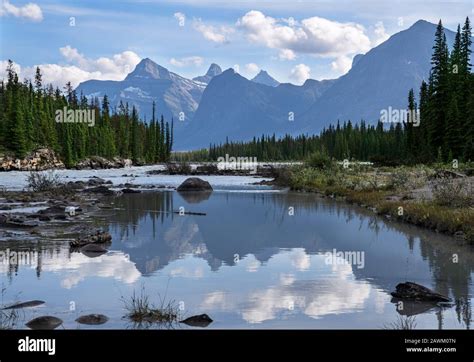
[(398, 178), (453, 192), (283, 175), (319, 160), (43, 181)]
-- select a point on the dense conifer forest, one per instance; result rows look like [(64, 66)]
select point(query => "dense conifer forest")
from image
[(29, 120)]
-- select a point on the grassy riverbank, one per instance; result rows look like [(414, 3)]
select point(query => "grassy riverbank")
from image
[(438, 197)]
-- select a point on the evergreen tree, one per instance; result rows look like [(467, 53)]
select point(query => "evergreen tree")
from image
[(439, 88)]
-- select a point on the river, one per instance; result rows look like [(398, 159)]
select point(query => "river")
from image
[(258, 258)]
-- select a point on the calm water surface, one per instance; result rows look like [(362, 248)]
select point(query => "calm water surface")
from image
[(247, 263)]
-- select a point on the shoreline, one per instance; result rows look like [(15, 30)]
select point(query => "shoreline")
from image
[(417, 206), (392, 203)]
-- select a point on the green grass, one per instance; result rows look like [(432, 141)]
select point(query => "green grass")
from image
[(386, 190), (140, 310)]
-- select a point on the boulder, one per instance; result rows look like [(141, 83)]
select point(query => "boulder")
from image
[(417, 292), (413, 307), (194, 184), (31, 303), (201, 320), (93, 250), (195, 197), (130, 191), (16, 221), (104, 190), (76, 185), (44, 322), (95, 181), (100, 237), (92, 319)]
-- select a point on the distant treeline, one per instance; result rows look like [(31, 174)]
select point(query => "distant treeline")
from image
[(439, 128), (33, 116)]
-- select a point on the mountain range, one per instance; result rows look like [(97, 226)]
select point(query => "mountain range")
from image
[(264, 78), (219, 105)]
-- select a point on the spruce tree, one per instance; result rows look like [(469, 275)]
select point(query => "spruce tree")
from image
[(439, 97)]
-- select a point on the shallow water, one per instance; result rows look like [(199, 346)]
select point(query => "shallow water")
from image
[(137, 175), (248, 263)]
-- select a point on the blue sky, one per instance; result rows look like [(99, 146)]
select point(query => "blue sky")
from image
[(292, 40)]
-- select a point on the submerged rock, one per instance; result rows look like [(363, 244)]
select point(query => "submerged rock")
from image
[(92, 319), (412, 307), (195, 197), (44, 322), (201, 320), (104, 190), (130, 191), (100, 237), (194, 184), (93, 250), (413, 291), (16, 221), (95, 181), (30, 303)]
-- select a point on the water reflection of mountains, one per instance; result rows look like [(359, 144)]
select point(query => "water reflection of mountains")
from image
[(241, 224), (260, 224)]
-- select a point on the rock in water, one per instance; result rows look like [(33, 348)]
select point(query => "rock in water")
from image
[(30, 303), (413, 307), (93, 250), (92, 319), (104, 190), (100, 237), (413, 291), (12, 221), (44, 322), (194, 184), (201, 320), (130, 191)]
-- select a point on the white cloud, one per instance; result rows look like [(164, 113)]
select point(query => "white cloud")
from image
[(185, 272), (380, 34), (286, 54), (81, 68), (213, 33), (195, 61), (30, 11), (300, 73), (3, 68), (181, 17), (71, 54), (73, 268), (299, 259), (216, 300), (287, 279), (251, 69), (341, 64), (236, 68), (313, 35)]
